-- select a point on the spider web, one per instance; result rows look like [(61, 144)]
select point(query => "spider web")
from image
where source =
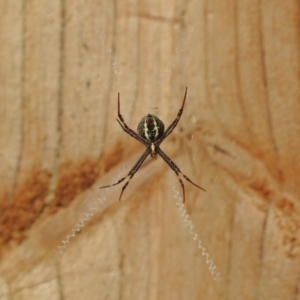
[(95, 202)]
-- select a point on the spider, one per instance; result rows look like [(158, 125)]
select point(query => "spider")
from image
[(151, 132)]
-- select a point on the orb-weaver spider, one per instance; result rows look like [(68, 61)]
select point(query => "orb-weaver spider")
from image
[(151, 133)]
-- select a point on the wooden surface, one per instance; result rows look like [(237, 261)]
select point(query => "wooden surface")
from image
[(62, 65)]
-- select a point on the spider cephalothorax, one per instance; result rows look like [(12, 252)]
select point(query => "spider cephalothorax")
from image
[(151, 133)]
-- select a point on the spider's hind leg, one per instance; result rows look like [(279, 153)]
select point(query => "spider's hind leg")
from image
[(176, 120)]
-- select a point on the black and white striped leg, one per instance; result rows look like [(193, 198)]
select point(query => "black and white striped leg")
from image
[(175, 122), (131, 173), (181, 183), (131, 132), (175, 168), (126, 128)]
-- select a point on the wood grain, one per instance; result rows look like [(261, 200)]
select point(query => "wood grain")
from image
[(62, 66)]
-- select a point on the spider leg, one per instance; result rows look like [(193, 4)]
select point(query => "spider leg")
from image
[(132, 133), (130, 174), (175, 122), (176, 169), (126, 128)]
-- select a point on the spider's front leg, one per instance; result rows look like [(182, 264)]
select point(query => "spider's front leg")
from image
[(177, 171), (131, 173)]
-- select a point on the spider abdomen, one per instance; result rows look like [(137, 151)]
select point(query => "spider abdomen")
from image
[(151, 128)]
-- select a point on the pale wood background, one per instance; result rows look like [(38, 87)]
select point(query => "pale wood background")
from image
[(62, 65)]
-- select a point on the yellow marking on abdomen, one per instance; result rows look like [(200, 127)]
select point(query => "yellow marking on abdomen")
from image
[(146, 130)]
